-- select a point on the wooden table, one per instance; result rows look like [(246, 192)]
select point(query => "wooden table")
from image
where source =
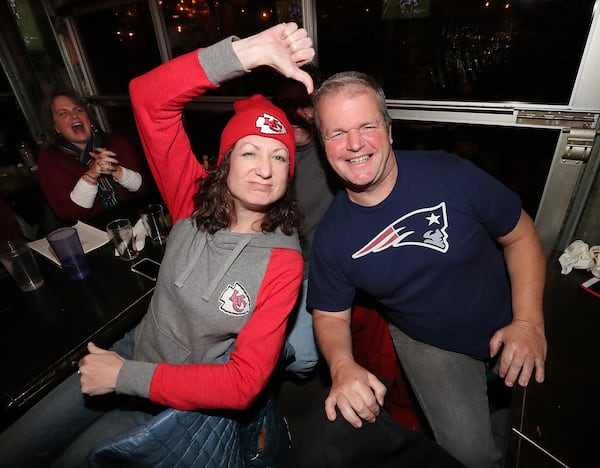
[(555, 424), (43, 333)]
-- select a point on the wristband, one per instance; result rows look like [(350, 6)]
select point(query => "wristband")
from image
[(95, 179)]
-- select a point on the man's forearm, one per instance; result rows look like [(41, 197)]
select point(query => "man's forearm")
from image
[(526, 263), (333, 336)]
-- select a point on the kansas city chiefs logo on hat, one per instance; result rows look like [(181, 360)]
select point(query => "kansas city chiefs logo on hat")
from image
[(270, 125)]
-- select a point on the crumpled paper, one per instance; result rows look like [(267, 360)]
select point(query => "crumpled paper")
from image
[(578, 255)]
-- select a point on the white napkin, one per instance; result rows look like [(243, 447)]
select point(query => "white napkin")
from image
[(576, 255), (139, 235), (91, 238)]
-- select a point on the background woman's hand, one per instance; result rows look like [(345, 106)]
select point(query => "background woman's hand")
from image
[(98, 371), (104, 162)]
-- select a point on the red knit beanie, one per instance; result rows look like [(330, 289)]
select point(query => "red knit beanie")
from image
[(258, 116)]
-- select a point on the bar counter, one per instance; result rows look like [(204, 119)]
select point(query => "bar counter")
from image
[(43, 333), (555, 423)]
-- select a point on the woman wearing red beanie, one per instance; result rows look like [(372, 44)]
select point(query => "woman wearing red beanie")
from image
[(230, 276)]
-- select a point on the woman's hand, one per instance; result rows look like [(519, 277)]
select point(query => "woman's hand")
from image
[(284, 47), (104, 162), (98, 371)]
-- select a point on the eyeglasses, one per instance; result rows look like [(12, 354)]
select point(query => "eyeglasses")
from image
[(339, 135)]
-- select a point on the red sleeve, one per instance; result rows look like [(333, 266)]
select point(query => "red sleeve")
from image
[(58, 176), (130, 158), (236, 384), (126, 153), (158, 98)]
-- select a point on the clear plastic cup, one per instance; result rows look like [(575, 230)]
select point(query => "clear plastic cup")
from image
[(120, 232), (19, 261)]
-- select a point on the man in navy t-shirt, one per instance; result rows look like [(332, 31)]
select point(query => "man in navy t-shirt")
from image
[(448, 252)]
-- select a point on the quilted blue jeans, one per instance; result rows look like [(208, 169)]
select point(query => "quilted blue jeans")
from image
[(194, 439), (255, 438), (62, 430)]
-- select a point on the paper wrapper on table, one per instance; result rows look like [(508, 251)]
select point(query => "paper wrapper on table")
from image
[(91, 239)]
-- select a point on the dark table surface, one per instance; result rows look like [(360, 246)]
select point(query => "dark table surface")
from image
[(17, 179), (43, 333), (555, 423)]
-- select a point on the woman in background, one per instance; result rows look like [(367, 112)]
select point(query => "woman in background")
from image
[(85, 172)]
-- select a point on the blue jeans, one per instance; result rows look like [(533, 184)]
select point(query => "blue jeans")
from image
[(452, 391), (300, 343)]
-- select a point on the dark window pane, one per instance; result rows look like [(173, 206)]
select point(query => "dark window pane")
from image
[(522, 50), (518, 157), (122, 122), (204, 129), (196, 23), (120, 44), (13, 126)]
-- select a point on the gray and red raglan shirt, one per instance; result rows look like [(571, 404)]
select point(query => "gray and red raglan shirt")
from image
[(212, 290)]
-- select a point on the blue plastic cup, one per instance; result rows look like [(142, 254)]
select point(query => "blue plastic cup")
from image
[(67, 246)]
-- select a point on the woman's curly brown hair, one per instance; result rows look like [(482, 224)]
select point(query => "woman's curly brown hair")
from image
[(214, 208)]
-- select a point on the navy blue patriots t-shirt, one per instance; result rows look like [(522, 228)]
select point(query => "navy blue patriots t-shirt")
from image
[(428, 253)]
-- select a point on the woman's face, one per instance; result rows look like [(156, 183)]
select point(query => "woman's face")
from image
[(71, 121), (258, 173)]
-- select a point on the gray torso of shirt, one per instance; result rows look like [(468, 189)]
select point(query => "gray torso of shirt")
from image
[(314, 183)]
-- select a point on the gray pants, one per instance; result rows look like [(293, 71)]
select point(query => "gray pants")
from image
[(451, 389)]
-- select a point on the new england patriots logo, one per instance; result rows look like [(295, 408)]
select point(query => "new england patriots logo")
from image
[(234, 300), (425, 228)]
